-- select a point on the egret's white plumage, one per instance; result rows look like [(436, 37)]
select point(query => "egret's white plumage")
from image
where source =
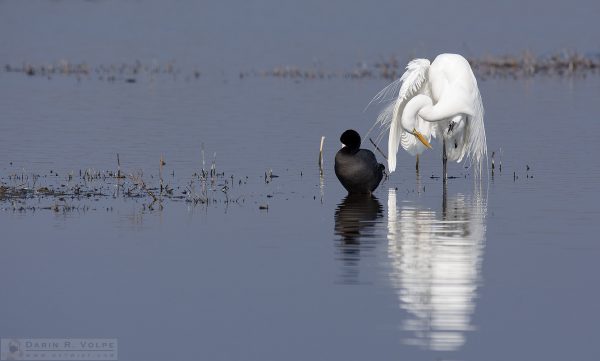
[(439, 100)]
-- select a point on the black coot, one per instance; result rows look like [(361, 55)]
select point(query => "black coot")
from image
[(357, 169)]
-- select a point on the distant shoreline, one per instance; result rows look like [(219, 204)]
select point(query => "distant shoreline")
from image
[(526, 64)]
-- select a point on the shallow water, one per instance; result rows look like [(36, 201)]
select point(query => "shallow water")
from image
[(502, 270)]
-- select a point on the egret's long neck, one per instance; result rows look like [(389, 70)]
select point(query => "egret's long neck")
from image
[(414, 108), (446, 108)]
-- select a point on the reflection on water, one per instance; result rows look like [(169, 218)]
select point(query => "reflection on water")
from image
[(435, 265), (355, 218)]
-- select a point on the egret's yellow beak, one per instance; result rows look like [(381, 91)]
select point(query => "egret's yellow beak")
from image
[(421, 138)]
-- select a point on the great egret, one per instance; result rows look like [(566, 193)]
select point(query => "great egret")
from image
[(357, 169), (439, 100)]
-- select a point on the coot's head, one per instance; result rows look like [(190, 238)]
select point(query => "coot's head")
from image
[(351, 139)]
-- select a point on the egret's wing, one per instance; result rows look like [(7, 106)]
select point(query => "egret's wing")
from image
[(400, 89), (467, 137), (413, 80)]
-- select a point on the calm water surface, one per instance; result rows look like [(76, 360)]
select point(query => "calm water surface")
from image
[(502, 270)]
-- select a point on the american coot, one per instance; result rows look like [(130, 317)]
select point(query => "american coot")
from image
[(357, 169)]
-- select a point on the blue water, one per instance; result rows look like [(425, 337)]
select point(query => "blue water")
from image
[(504, 269)]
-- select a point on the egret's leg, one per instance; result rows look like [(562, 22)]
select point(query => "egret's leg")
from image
[(444, 162), (417, 165), (444, 200)]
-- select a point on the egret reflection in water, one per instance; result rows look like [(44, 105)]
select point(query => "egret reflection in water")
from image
[(435, 261), (355, 218)]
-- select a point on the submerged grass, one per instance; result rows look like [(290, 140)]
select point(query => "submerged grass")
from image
[(76, 191)]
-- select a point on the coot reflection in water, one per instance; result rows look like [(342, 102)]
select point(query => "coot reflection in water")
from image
[(355, 219), (435, 263)]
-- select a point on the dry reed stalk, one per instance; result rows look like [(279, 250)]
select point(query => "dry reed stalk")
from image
[(321, 155)]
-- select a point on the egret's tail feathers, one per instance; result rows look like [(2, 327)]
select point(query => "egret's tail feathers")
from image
[(387, 94), (477, 144)]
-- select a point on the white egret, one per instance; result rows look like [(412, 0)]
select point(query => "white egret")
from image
[(439, 100)]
